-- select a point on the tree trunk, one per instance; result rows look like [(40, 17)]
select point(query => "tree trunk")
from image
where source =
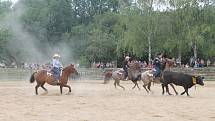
[(150, 33), (195, 53), (179, 55), (150, 48), (179, 52)]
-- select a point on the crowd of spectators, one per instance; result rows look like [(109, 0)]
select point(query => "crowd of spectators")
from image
[(199, 63), (103, 65)]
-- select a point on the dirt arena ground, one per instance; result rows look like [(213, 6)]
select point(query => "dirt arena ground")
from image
[(93, 101)]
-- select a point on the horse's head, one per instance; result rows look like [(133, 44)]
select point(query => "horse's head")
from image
[(163, 64), (71, 70), (134, 70), (167, 63)]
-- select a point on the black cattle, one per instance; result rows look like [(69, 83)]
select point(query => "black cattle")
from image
[(180, 79)]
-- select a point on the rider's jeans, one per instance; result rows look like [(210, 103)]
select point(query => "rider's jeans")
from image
[(57, 72)]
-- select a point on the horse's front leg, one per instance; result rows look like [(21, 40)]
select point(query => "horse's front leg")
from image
[(173, 88), (61, 89), (167, 89), (68, 87), (137, 85), (134, 86), (163, 91)]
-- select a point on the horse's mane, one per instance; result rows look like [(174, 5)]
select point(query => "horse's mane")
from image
[(135, 65), (68, 67), (167, 63)]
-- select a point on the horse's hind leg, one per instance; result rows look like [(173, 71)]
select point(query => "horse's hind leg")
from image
[(115, 83), (42, 85), (36, 88), (149, 86), (134, 86), (145, 88), (120, 85)]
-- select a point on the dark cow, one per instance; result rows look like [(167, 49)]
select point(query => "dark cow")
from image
[(180, 79)]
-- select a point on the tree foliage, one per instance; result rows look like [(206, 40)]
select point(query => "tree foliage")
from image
[(104, 30)]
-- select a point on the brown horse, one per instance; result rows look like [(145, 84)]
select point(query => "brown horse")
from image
[(44, 76), (134, 73), (166, 65), (169, 63), (107, 76)]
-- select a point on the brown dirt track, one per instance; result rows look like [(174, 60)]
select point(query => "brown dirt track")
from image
[(93, 101)]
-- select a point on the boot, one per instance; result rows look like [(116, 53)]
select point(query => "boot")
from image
[(56, 82)]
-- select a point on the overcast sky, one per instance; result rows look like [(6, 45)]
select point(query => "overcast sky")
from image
[(14, 0)]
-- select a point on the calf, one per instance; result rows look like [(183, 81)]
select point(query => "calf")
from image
[(180, 79)]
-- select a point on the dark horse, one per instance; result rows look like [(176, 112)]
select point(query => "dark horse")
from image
[(44, 76), (134, 74), (166, 65)]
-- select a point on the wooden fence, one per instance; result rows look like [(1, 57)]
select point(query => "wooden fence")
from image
[(11, 74)]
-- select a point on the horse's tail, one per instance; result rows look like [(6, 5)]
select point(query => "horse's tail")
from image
[(107, 77), (32, 79)]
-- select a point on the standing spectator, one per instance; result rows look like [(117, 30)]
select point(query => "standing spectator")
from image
[(202, 63), (208, 62), (98, 65), (144, 64), (187, 65), (198, 63), (178, 62)]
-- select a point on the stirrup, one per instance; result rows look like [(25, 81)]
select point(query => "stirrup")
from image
[(57, 82)]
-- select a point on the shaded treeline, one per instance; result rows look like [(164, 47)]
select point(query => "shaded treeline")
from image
[(104, 30)]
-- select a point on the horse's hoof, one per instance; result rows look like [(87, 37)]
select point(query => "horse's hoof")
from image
[(45, 93), (69, 93)]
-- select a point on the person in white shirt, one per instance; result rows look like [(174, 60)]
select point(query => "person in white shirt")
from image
[(56, 67)]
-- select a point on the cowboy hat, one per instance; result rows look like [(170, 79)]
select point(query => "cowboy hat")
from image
[(127, 57), (56, 55)]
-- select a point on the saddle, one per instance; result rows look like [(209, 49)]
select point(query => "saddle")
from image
[(121, 72), (49, 73), (159, 78), (149, 73)]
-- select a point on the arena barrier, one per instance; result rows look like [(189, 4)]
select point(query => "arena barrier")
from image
[(13, 74)]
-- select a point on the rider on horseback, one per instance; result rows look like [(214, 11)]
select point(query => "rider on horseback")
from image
[(56, 67), (126, 66), (157, 65)]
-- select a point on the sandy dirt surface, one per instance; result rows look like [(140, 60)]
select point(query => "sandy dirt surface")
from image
[(92, 101)]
